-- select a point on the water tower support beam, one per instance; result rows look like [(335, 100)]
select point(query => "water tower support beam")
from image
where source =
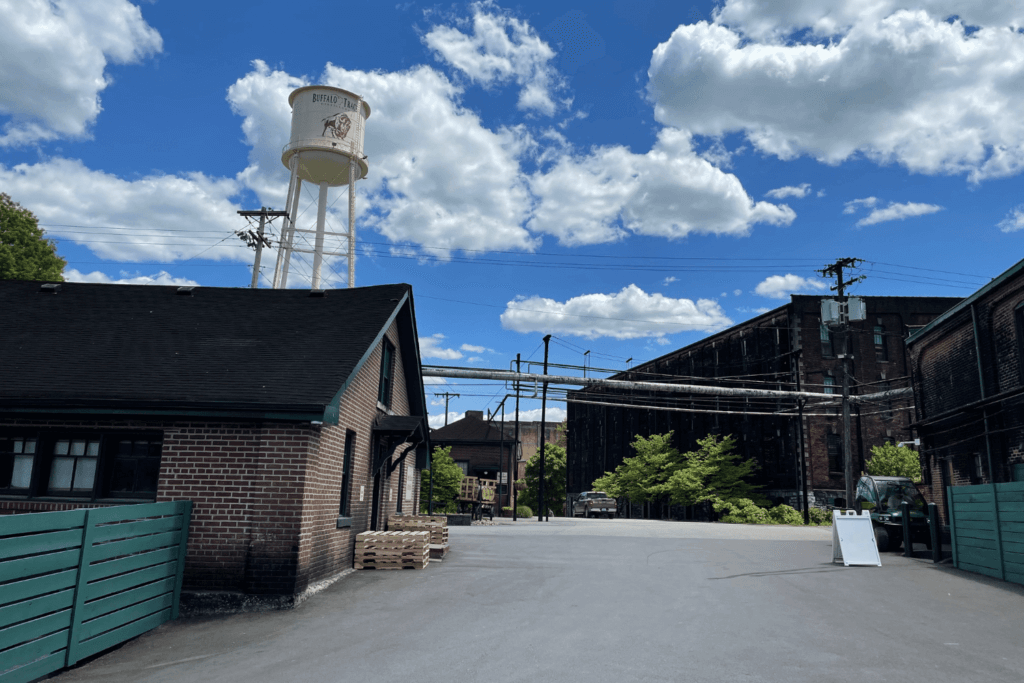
[(318, 248), (290, 238), (293, 165), (351, 222)]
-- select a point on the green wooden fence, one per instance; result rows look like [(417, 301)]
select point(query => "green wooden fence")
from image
[(987, 524), (77, 582)]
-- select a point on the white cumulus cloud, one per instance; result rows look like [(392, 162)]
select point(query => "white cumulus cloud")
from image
[(781, 286), (889, 84), (1014, 220), (499, 49), (670, 191), (898, 212), (161, 278), (628, 314), (473, 349), (799, 191), (430, 347), (53, 64), (854, 205)]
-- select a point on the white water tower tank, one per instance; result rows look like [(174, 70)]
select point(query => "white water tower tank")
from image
[(328, 126)]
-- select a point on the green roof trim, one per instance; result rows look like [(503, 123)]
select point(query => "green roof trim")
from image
[(333, 410), (995, 282), (171, 412)]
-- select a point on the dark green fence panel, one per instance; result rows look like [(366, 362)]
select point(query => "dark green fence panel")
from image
[(987, 524), (75, 583), (128, 555), (39, 555)]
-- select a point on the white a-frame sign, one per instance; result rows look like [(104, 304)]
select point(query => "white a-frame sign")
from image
[(853, 538)]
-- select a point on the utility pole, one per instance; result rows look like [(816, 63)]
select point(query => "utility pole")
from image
[(543, 421), (257, 241), (515, 463), (447, 397), (836, 270)]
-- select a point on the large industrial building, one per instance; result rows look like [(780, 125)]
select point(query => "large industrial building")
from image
[(787, 348)]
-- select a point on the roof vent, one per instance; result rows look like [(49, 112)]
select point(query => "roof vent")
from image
[(318, 293), (50, 288), (185, 291)]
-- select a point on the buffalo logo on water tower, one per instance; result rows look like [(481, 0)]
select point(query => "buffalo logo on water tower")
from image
[(338, 125)]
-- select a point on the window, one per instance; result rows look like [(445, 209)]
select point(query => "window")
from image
[(830, 383), (345, 508), (135, 468), (827, 347), (464, 466), (17, 461), (881, 349), (73, 468), (387, 372), (835, 453), (82, 464)]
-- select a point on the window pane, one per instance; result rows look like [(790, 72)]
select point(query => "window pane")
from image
[(30, 446), (124, 448), (123, 476), (139, 449), (60, 474), (77, 448), (18, 446), (21, 478), (85, 473), (147, 475), (93, 449), (61, 447)]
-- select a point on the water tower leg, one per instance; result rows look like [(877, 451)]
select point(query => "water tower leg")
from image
[(293, 165), (290, 239), (351, 222), (318, 248)]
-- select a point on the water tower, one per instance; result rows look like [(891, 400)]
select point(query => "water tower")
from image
[(326, 148)]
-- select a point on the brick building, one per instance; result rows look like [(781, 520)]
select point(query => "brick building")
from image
[(786, 348), (479, 448), (969, 389), (292, 419)]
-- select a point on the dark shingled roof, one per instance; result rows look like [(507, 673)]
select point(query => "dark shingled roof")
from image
[(136, 347), (469, 428)]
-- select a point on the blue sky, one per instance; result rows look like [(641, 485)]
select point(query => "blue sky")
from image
[(628, 176)]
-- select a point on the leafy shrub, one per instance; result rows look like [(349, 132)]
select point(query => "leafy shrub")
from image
[(741, 511), (524, 511), (819, 516), (784, 514)]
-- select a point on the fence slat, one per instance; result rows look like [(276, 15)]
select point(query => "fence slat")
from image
[(124, 582), (108, 622), (980, 556), (122, 634), (30, 630), (123, 565), (34, 522), (35, 670), (967, 542), (30, 588), (133, 545), (978, 569), (35, 607), (18, 546), (974, 515), (113, 532), (41, 564), (131, 512), (98, 608)]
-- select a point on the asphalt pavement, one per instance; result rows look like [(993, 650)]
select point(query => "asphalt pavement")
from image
[(610, 600)]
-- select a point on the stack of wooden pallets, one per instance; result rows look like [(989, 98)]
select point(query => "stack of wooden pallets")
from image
[(436, 525), (392, 550)]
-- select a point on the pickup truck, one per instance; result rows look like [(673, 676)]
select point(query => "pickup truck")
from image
[(593, 504)]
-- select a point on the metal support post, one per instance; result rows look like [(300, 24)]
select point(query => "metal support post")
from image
[(543, 420), (351, 222), (908, 543), (936, 533), (515, 493), (318, 248)]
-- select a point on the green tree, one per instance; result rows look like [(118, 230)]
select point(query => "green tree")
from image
[(554, 480), (712, 473), (25, 254), (642, 477), (890, 460), (447, 480)]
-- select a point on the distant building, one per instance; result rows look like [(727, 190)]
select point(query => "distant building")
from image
[(293, 420), (786, 348), (968, 368)]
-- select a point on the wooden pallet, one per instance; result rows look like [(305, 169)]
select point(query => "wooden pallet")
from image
[(438, 551), (436, 525), (467, 489), (392, 550)]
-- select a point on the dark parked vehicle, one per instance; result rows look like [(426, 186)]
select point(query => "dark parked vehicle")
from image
[(884, 497)]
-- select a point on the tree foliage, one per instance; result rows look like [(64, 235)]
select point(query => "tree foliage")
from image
[(659, 470), (554, 480), (890, 460), (447, 480), (25, 253)]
